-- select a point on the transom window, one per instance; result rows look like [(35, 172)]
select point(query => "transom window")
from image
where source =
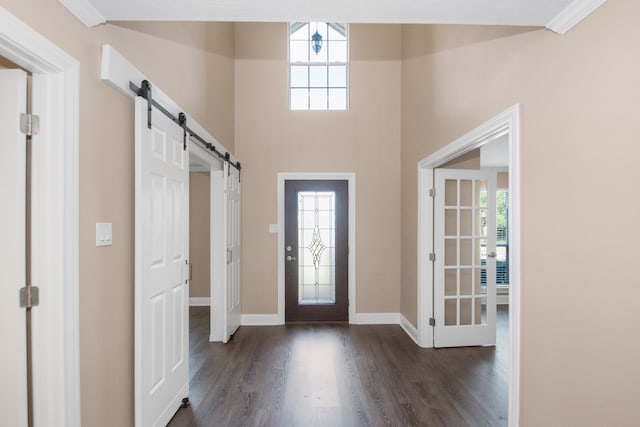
[(318, 66)]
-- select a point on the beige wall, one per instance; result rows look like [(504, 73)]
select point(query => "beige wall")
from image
[(106, 178), (199, 234), (364, 140), (579, 98)]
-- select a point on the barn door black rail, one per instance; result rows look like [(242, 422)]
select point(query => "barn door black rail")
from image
[(144, 91)]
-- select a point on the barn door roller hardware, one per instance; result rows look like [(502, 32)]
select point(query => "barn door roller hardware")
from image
[(145, 92)]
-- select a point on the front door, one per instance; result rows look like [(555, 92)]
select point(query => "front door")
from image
[(465, 264), (316, 250)]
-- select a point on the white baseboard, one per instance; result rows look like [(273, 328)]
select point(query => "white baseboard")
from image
[(259, 320), (409, 329), (376, 319), (199, 301)]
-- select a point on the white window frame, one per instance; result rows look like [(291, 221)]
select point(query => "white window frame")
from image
[(317, 64)]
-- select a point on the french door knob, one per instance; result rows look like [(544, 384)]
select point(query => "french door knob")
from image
[(491, 254)]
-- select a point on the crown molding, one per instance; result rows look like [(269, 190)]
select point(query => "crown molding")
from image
[(571, 15), (84, 11)]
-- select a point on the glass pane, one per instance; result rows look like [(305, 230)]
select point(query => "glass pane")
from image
[(477, 311), (299, 31), (318, 76), (481, 315), (477, 279), (466, 194), (466, 222), (321, 55), (481, 190), (450, 312), (481, 222), (318, 99), (299, 76), (299, 99), (450, 282), (465, 281), (338, 76), (337, 51), (450, 222), (299, 51), (481, 254), (337, 99), (336, 32), (450, 252), (316, 258), (450, 192), (465, 311), (465, 251)]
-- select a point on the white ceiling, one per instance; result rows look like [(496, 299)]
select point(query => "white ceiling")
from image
[(544, 13)]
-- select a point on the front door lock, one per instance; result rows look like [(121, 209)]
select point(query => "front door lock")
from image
[(290, 258), (289, 248)]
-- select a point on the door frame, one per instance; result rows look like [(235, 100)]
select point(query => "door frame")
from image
[(55, 219), (351, 179), (505, 123)]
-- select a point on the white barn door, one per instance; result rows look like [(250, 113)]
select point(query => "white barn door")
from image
[(161, 268), (232, 297), (465, 264), (13, 369)]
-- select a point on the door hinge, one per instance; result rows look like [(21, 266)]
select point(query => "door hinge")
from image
[(432, 256), (432, 192), (29, 296), (432, 321), (29, 124)]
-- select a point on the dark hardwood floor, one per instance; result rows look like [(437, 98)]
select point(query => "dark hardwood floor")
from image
[(337, 374)]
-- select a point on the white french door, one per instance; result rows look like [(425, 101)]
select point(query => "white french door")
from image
[(465, 266), (232, 222), (13, 369), (161, 268)]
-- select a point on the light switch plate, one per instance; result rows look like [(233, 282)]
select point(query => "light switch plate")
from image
[(104, 234)]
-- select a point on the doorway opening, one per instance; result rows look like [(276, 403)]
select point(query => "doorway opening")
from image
[(505, 125)]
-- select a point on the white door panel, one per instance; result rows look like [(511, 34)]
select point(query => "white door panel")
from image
[(232, 297), (13, 369), (464, 276), (161, 257)]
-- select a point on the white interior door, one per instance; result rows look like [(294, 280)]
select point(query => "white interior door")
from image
[(232, 298), (464, 267), (13, 369), (161, 268)]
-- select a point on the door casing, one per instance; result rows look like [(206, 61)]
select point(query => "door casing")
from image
[(351, 178), (505, 123), (54, 222)]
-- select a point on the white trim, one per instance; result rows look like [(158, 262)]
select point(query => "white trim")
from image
[(117, 71), (408, 328), (351, 178), (260, 320), (85, 12), (56, 344), (571, 15), (376, 319), (199, 301), (508, 120)]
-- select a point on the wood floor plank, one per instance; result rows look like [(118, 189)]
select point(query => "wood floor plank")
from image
[(336, 374)]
